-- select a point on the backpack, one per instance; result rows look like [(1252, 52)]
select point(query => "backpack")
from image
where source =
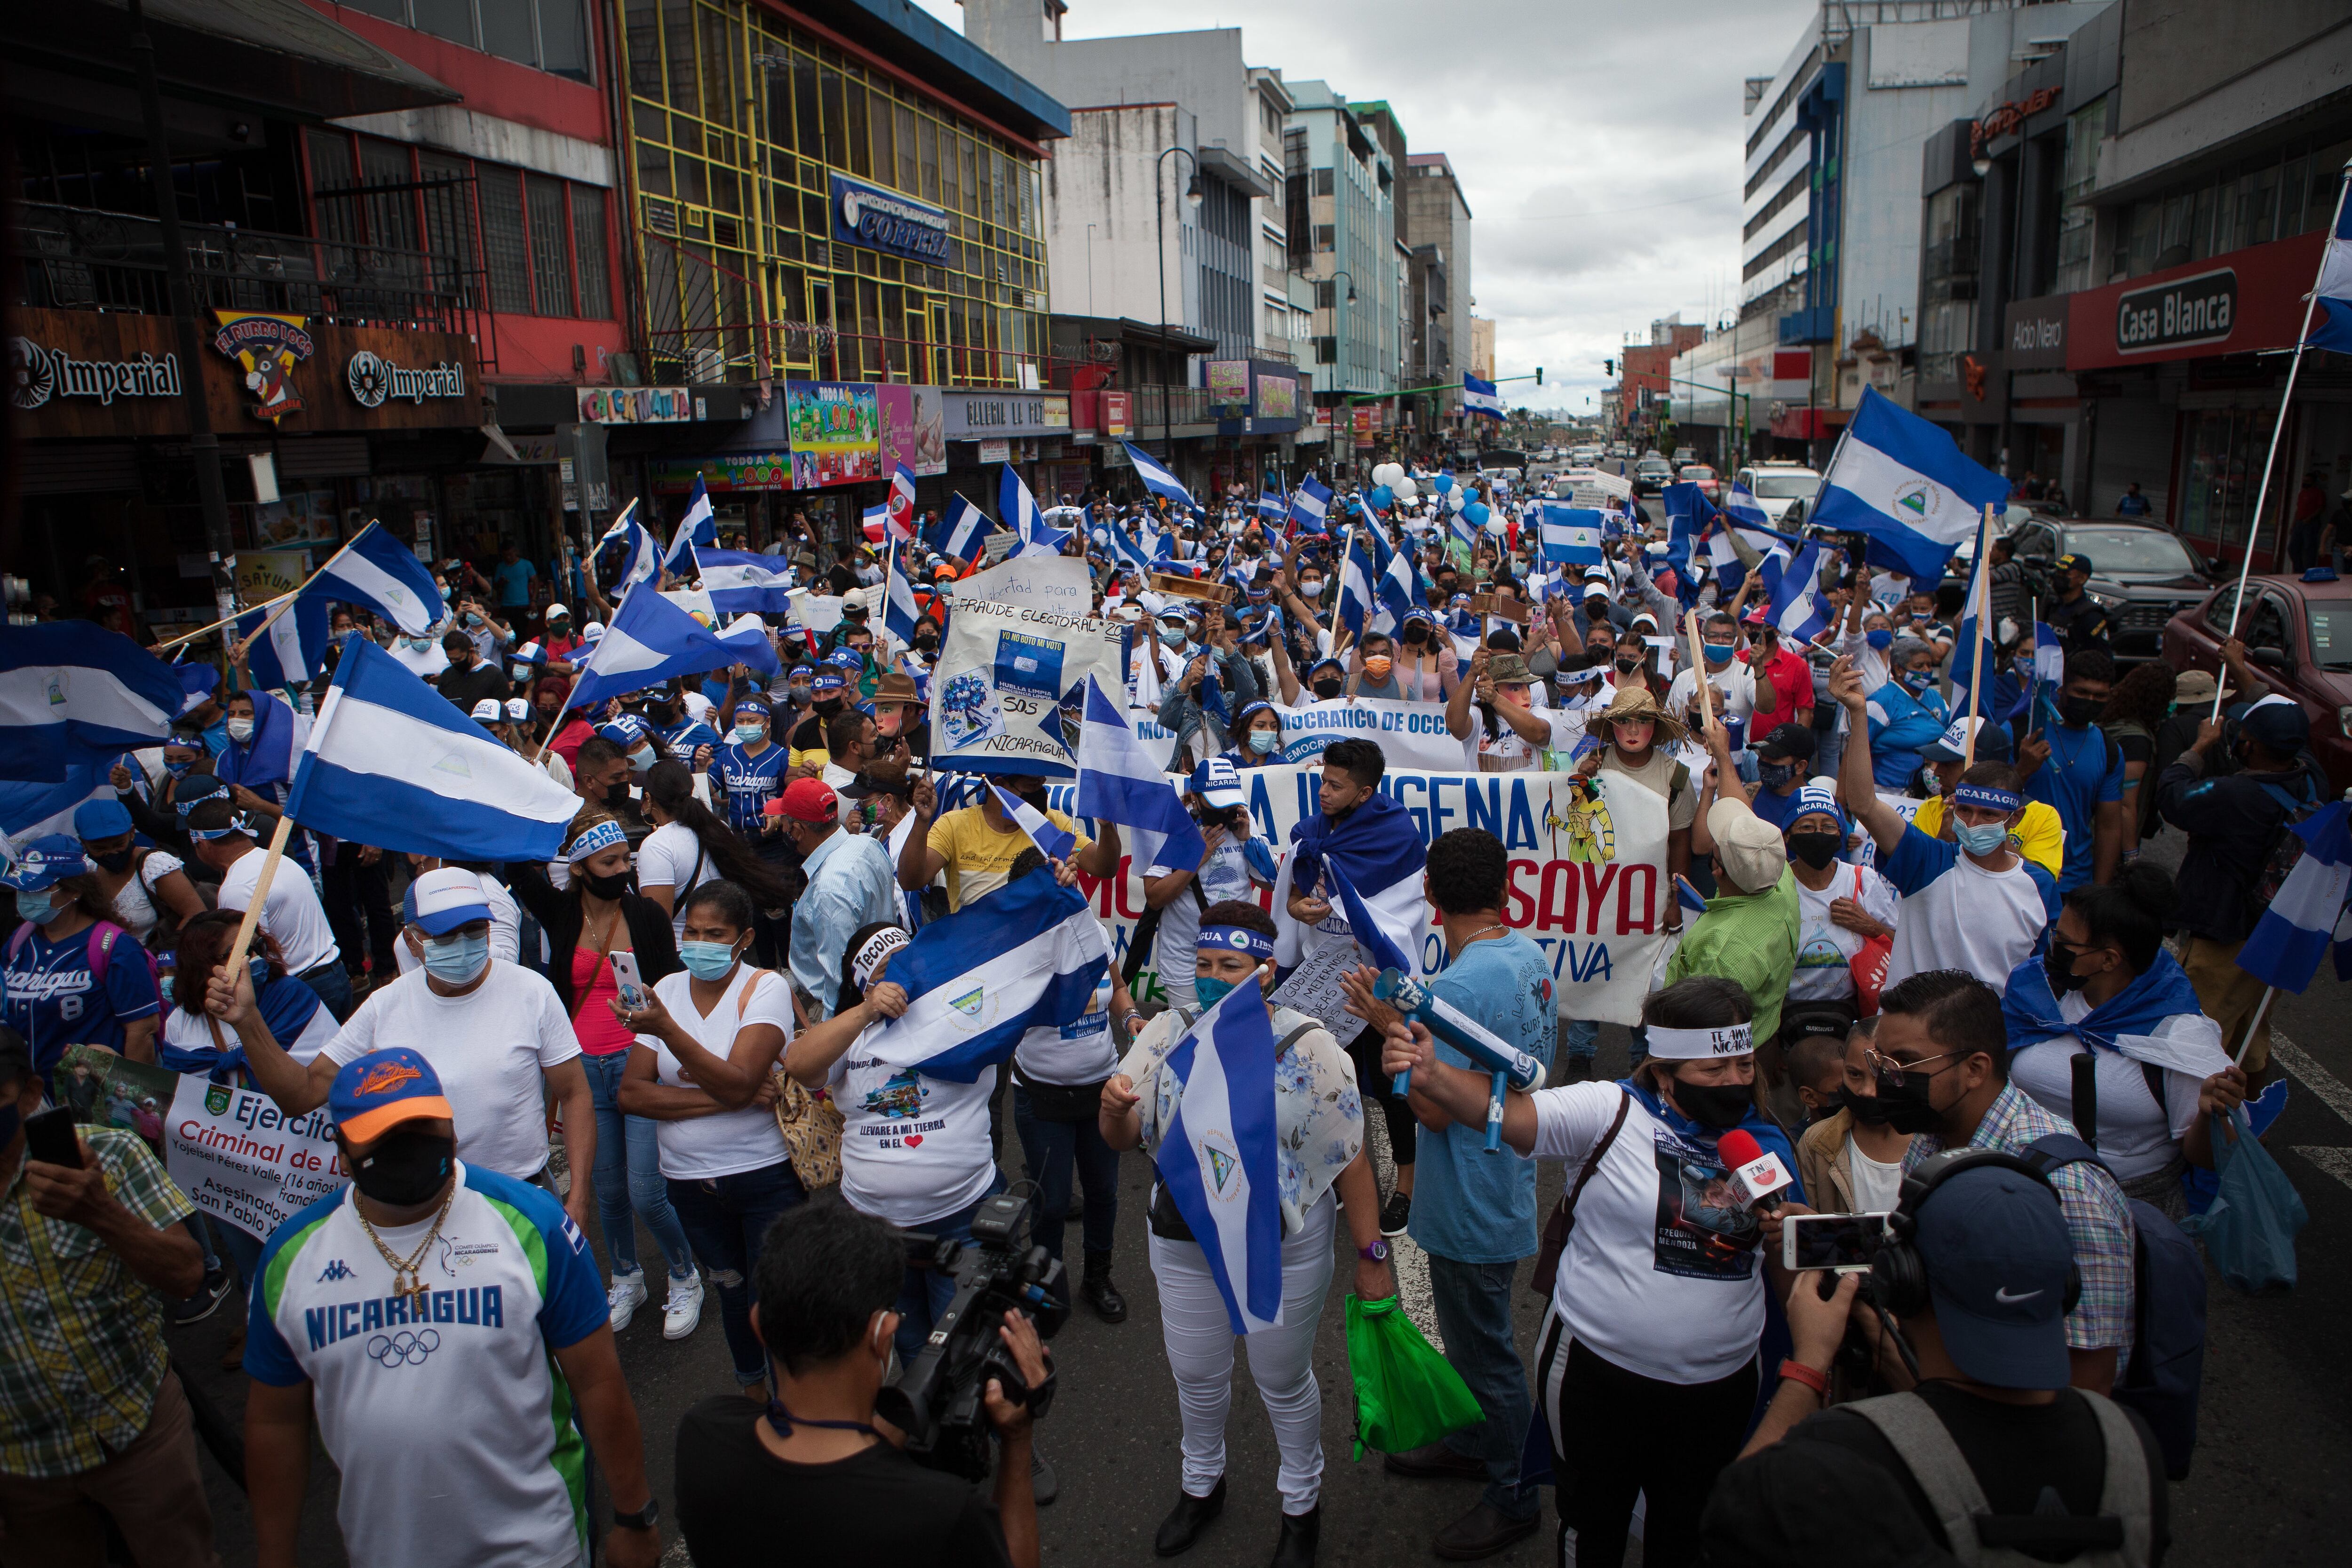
[(99, 951), (2287, 848), (2167, 1359)]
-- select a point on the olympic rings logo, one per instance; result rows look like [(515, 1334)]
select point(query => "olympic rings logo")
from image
[(395, 1349)]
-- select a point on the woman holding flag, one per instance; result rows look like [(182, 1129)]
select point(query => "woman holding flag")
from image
[(1318, 1149)]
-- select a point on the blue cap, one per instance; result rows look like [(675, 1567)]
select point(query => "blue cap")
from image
[(1998, 1258), (194, 790), (44, 862), (1218, 781), (375, 1093), (104, 817), (627, 730)]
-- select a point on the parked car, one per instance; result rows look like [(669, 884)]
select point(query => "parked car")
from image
[(2143, 577), (1709, 483), (2298, 636), (1780, 488), (1685, 454), (1652, 476)]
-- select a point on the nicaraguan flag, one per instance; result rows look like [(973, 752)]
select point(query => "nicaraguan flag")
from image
[(2299, 925), (1217, 1154), (898, 611), (961, 530), (1480, 397), (747, 635), (1741, 508), (2331, 321), (381, 573), (1027, 956), (1020, 514), (1571, 535), (30, 810), (74, 691), (294, 648), (743, 583), (1359, 579), (1310, 506), (1118, 782), (695, 531), (1157, 479), (391, 762), (1401, 591), (1369, 868), (1124, 551), (900, 508), (1900, 481), (641, 560), (1978, 632), (652, 637), (2155, 1020), (1794, 584), (1056, 843), (1273, 506)]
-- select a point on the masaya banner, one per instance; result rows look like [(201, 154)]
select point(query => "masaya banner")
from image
[(241, 1159), (1010, 685)]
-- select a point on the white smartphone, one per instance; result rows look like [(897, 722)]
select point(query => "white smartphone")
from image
[(1843, 1242), (624, 975)]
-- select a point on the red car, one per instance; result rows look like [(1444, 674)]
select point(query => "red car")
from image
[(2299, 636)]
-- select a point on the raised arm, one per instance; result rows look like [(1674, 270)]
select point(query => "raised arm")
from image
[(1856, 783), (296, 1088), (918, 862)]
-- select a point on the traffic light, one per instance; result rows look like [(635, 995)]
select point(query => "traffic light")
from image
[(1539, 375), (1609, 366)]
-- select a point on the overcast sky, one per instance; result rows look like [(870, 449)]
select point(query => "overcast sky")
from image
[(1598, 143)]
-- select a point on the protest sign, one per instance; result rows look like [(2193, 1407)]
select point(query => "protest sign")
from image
[(242, 1160), (1409, 734), (1313, 988), (1056, 584), (1010, 685)]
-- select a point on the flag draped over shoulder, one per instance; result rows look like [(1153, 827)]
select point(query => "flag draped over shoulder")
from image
[(1217, 1154), (1368, 867), (2156, 1019)]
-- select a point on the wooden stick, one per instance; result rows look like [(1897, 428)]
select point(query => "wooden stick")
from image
[(285, 601), (252, 920), (215, 625), (1699, 667), (1977, 649), (2254, 1023)]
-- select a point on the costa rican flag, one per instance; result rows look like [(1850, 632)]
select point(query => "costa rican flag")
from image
[(899, 506)]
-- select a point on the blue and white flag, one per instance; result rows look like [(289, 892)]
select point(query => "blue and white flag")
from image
[(747, 635), (1310, 506), (1744, 511), (1369, 868), (695, 531), (1794, 584), (642, 558), (1052, 841), (294, 648), (1979, 636), (1401, 593), (72, 691), (740, 582), (1027, 956), (30, 810), (1273, 506), (1157, 479), (1118, 782), (379, 572), (1021, 515), (899, 613), (1216, 1155), (1900, 481), (2331, 322), (2305, 920), (1360, 582), (651, 638), (391, 762), (960, 531), (1480, 397), (1571, 535), (1125, 553)]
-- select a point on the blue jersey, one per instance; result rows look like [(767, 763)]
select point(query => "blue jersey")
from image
[(751, 783), (55, 1001), (2084, 771), (684, 736)]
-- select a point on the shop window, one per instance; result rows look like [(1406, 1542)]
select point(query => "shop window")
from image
[(2221, 454)]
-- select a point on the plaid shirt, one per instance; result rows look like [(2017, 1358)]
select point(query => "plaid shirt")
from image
[(2097, 1217), (81, 1339)]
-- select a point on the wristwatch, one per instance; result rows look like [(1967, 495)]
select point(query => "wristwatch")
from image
[(645, 1518), (1378, 1252)]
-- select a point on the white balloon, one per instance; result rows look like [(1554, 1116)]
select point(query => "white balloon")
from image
[(1388, 474), (1497, 525), (1404, 488), (1456, 499)]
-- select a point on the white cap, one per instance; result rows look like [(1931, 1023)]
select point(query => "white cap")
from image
[(592, 631), (518, 711), (555, 610), (698, 707), (488, 710)]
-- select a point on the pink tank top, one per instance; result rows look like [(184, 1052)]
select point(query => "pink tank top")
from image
[(593, 1024)]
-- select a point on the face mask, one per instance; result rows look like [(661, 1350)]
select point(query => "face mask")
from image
[(179, 770), (1882, 639), (472, 620), (1717, 652), (617, 796), (1867, 1108), (1327, 688), (1378, 665), (1263, 741), (1032, 797), (418, 645), (927, 644), (444, 592), (38, 908), (1772, 776), (1918, 680), (2058, 964), (1714, 1104), (1173, 638), (241, 730), (163, 989), (1980, 840), (707, 959), (1209, 989), (1815, 849), (457, 959), (406, 1167), (1909, 1102), (827, 707), (608, 888), (798, 690), (1311, 588), (118, 861), (750, 735), (1628, 666), (641, 762), (2076, 712)]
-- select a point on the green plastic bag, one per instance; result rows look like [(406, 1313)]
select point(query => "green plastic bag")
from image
[(1407, 1395)]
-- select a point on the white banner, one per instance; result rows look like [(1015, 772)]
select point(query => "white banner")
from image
[(242, 1160), (1010, 684), (1056, 584), (1410, 734)]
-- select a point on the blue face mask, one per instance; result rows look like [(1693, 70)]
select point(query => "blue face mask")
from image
[(1982, 841), (1918, 680), (1263, 741), (457, 959), (707, 959), (37, 908), (163, 987), (1210, 990), (179, 770), (1881, 638), (1717, 653), (750, 735), (1174, 640)]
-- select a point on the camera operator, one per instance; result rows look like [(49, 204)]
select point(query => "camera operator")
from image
[(814, 1456)]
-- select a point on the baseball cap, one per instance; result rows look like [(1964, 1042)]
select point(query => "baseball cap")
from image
[(2076, 563), (1998, 1259), (1992, 742), (1219, 782), (1788, 742), (1816, 797), (811, 800), (44, 862), (441, 901), (553, 611), (488, 710), (518, 711), (2279, 724), (592, 631), (626, 730), (376, 1093), (102, 819), (1747, 847)]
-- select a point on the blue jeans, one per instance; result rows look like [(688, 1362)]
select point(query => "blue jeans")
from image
[(727, 1218), (924, 1293), (1474, 1314), (1584, 1039), (333, 987), (628, 1175), (1054, 1151)]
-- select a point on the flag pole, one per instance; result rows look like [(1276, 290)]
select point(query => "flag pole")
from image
[(2278, 429), (252, 920), (2260, 1009), (2033, 684), (215, 626), (1983, 608), (1698, 664), (237, 651)]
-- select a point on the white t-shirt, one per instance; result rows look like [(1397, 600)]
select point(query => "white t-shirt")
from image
[(134, 906), (913, 1149), (506, 923), (424, 663), (1076, 1053), (1877, 1187), (1508, 751), (491, 1048), (1985, 922), (1736, 686), (1650, 1280), (191, 1033), (2137, 1136), (291, 915), (666, 859), (729, 1141), (1825, 950), (1223, 875)]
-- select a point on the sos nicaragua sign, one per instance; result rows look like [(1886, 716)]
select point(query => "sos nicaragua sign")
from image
[(885, 221)]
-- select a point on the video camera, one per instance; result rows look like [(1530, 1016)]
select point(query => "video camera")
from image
[(937, 1400)]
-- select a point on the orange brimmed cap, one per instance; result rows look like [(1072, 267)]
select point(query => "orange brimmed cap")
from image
[(381, 1089)]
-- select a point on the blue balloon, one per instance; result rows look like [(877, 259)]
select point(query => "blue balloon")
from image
[(1380, 497), (1477, 513), (1442, 483)]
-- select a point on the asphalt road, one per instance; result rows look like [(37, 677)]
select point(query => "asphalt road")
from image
[(2274, 1440)]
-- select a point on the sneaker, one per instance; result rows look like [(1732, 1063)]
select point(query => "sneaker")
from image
[(1395, 1212), (627, 1294), (204, 1302), (683, 1309)]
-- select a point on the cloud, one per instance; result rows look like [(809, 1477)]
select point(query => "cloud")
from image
[(1598, 143)]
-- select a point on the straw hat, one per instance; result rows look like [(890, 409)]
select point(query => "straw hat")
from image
[(1635, 702)]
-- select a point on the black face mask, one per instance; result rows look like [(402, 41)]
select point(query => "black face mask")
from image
[(927, 644), (1905, 1098), (1815, 849), (2076, 712), (608, 888), (1867, 1109), (1628, 666), (1327, 688), (118, 860), (618, 796), (828, 706), (1714, 1104), (2058, 964), (661, 712), (406, 1167), (1034, 798)]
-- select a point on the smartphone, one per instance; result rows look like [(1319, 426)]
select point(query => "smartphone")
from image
[(1844, 1242), (50, 1138), (625, 975)]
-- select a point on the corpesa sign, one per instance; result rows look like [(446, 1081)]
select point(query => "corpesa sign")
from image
[(2179, 314), (885, 221)]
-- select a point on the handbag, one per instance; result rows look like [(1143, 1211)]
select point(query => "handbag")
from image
[(2249, 1232), (1407, 1395), (807, 1117), (1869, 963), (1563, 1214)]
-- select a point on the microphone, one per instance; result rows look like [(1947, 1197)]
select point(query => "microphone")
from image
[(1756, 1176)]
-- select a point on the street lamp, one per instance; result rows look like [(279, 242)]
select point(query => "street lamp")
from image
[(1336, 334), (1193, 193)]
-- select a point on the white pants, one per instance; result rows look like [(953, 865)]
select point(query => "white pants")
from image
[(1200, 1342)]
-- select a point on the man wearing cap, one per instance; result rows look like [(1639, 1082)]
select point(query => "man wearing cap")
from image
[(2078, 618), (1783, 759), (1748, 930), (559, 642), (1507, 733), (292, 915), (490, 713), (852, 883), (496, 1033), (828, 699), (449, 1325), (2232, 822), (2039, 835)]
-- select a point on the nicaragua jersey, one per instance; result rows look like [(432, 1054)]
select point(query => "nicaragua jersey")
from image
[(449, 1419), (751, 783)]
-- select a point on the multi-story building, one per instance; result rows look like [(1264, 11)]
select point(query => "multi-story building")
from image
[(1342, 228), (1482, 347), (1643, 387), (1437, 227)]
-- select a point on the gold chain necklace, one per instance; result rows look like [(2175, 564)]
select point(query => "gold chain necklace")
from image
[(407, 1276)]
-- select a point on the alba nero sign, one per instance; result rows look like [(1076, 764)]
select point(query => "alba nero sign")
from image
[(2187, 311), (885, 221)]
